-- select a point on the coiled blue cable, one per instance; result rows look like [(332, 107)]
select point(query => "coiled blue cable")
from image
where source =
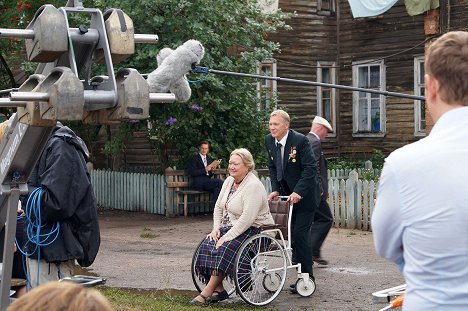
[(34, 227)]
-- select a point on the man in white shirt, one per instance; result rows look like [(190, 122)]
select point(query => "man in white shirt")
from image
[(420, 221)]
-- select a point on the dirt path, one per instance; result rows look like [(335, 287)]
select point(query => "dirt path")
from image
[(127, 259)]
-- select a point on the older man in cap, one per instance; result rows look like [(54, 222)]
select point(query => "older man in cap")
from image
[(323, 218)]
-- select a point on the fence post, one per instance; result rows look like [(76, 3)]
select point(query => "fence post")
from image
[(333, 199), (169, 195), (365, 207), (351, 202), (372, 186)]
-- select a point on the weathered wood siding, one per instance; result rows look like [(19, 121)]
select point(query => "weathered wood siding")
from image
[(312, 39), (397, 38), (394, 36), (454, 15)]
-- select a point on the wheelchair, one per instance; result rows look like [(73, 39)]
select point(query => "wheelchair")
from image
[(262, 261)]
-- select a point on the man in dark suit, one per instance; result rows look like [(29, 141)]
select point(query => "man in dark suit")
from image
[(323, 218), (293, 173), (201, 171)]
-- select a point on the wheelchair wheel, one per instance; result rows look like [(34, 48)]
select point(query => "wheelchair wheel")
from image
[(199, 285), (271, 282), (303, 289), (260, 270)]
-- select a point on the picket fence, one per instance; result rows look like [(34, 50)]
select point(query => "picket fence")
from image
[(351, 199), (130, 191)]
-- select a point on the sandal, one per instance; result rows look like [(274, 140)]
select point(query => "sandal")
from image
[(223, 295), (194, 301)]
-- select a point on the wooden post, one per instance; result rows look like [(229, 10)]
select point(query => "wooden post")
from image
[(169, 195)]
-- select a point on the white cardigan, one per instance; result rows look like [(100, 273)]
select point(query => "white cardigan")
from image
[(247, 206)]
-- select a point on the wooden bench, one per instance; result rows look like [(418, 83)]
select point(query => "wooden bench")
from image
[(178, 182)]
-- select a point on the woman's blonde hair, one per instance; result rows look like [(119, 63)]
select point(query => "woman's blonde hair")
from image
[(246, 157), (61, 296)]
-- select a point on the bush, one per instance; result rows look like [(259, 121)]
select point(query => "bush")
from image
[(347, 162)]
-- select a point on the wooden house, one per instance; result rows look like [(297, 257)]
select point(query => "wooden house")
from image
[(385, 52)]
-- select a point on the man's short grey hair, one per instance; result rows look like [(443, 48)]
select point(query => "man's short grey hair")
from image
[(281, 113)]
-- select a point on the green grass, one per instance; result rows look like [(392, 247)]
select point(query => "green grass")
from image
[(148, 235), (152, 300)]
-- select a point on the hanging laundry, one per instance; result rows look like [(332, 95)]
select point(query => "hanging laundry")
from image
[(415, 7), (366, 8)]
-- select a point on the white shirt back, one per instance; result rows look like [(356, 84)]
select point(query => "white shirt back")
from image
[(421, 216)]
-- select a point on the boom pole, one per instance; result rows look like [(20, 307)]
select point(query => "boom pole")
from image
[(205, 70)]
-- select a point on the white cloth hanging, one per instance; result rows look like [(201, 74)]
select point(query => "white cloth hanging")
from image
[(366, 8)]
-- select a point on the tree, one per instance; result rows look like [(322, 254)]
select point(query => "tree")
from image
[(222, 109)]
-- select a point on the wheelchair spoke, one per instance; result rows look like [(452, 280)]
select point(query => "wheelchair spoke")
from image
[(261, 269)]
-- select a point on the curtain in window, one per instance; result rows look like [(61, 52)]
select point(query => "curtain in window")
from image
[(365, 8)]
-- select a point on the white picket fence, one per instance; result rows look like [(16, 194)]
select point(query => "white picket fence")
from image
[(130, 191), (351, 199)]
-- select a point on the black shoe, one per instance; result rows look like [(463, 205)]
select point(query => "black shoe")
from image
[(220, 296), (196, 302), (321, 263)]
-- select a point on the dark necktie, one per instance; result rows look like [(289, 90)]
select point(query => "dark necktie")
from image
[(279, 162)]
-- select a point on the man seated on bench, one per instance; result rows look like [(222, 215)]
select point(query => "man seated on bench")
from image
[(201, 172)]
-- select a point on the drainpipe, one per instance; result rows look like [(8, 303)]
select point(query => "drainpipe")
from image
[(338, 75), (431, 27)]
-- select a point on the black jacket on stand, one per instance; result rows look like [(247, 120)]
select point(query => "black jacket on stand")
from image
[(67, 198)]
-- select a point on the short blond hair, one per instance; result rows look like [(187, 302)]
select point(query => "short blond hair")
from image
[(61, 296), (3, 129), (282, 114), (447, 61), (246, 157)]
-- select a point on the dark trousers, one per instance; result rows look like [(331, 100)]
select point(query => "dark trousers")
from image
[(301, 222), (323, 221), (212, 185)]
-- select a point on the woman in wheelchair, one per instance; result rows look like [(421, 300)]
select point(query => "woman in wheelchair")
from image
[(240, 210)]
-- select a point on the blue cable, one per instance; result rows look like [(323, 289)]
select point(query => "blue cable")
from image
[(199, 80), (33, 229)]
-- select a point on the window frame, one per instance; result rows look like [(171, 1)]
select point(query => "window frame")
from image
[(320, 111), (382, 101), (272, 87), (326, 11), (418, 86)]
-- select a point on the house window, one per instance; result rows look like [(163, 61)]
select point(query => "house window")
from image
[(266, 88), (326, 7), (326, 102), (369, 108), (419, 106)]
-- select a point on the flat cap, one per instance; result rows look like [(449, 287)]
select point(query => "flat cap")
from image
[(322, 121)]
